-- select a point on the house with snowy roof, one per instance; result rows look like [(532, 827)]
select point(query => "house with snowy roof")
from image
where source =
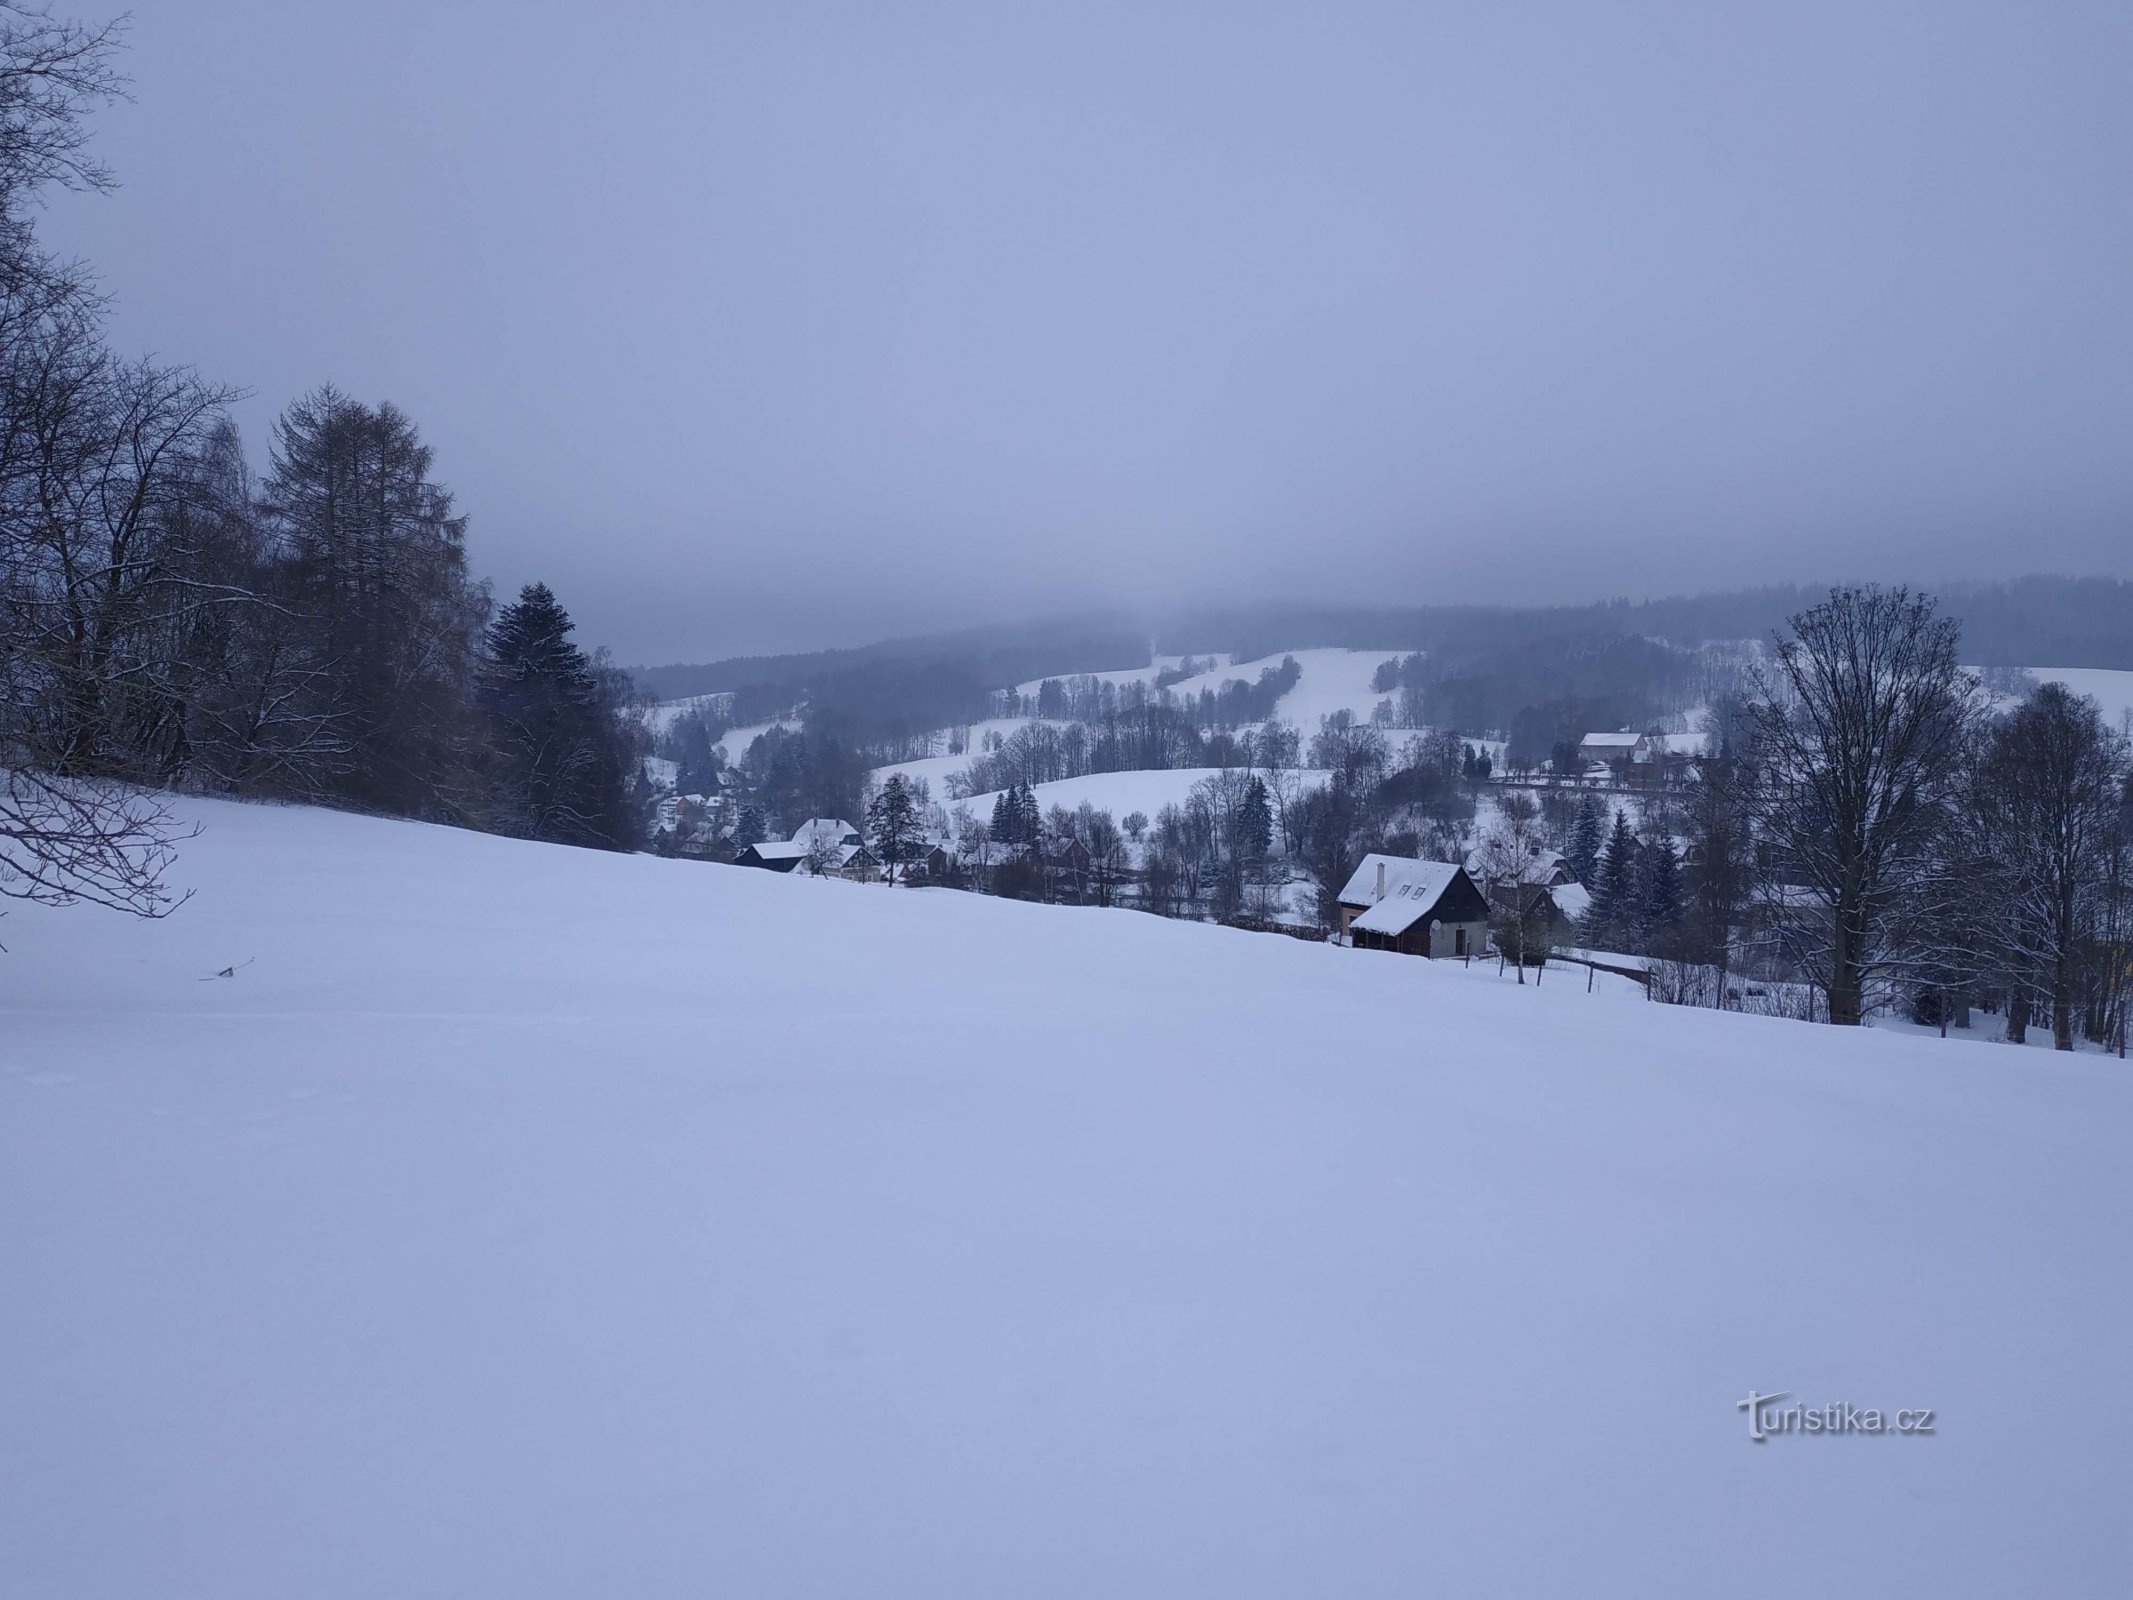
[(1418, 908), (1612, 748), (833, 829)]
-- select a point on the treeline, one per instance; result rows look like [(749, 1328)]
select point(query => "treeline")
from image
[(2031, 621), (1144, 735), (1551, 688), (903, 688), (1879, 831), (1233, 703), (167, 621)]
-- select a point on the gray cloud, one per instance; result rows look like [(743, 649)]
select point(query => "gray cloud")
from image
[(773, 326)]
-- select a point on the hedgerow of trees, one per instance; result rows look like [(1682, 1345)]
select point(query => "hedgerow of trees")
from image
[(166, 622)]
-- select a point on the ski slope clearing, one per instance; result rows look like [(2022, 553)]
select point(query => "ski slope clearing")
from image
[(527, 1222)]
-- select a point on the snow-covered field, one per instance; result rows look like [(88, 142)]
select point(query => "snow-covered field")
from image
[(1123, 675), (936, 770), (520, 1221), (1122, 792), (1332, 680), (735, 741), (2111, 689), (667, 712)]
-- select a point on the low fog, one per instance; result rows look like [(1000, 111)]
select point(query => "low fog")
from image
[(772, 327)]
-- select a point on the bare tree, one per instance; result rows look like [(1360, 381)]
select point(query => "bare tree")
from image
[(1509, 859), (2045, 803), (1860, 737), (70, 840)]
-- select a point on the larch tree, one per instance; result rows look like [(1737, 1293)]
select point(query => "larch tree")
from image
[(379, 561)]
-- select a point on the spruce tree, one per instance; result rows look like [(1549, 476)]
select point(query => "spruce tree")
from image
[(1028, 818), (1658, 897), (749, 827), (1584, 849), (557, 753), (1613, 886), (1255, 822)]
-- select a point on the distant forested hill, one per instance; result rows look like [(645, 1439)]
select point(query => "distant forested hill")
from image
[(898, 687), (2035, 621)]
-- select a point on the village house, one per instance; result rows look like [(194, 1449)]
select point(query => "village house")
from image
[(775, 855), (833, 829), (1419, 908), (1622, 753), (841, 849)]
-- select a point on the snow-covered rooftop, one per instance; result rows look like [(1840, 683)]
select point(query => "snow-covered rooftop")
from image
[(1412, 889)]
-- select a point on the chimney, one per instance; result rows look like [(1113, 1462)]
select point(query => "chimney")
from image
[(1381, 880)]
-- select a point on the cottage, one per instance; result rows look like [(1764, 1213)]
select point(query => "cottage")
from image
[(1544, 868), (1419, 908), (832, 830), (775, 855)]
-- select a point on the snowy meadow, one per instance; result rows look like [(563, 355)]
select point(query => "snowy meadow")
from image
[(524, 1220)]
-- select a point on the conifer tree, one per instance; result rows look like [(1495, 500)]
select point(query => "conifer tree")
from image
[(1255, 822), (892, 822), (1584, 852), (552, 729), (749, 827), (1613, 886), (1658, 897), (378, 564)]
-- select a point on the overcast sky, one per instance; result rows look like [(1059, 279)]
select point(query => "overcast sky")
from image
[(774, 326)]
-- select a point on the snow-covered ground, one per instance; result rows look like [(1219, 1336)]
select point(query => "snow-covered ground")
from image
[(735, 741), (936, 770), (663, 715), (521, 1222), (1123, 675), (1333, 680), (2111, 689)]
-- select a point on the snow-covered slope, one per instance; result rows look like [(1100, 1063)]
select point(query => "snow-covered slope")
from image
[(1122, 792), (1332, 680), (1123, 675), (522, 1222)]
